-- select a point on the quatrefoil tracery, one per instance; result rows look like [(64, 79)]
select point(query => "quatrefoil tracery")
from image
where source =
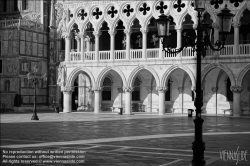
[(128, 10), (161, 7), (112, 12), (236, 2), (179, 5), (82, 14), (144, 9), (97, 13), (216, 3)]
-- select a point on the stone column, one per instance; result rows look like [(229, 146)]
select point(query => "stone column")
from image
[(97, 100), (236, 100), (112, 44), (78, 43), (67, 37), (120, 90), (144, 43), (236, 38), (97, 36), (81, 35), (214, 92), (128, 94), (127, 32), (179, 39), (161, 91), (67, 99), (149, 99), (160, 48), (87, 40), (90, 99), (181, 89), (216, 37)]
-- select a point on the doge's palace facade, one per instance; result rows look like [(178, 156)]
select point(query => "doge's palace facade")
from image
[(113, 58)]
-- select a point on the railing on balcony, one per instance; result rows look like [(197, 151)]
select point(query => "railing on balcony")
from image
[(188, 52), (228, 50), (120, 54), (104, 55), (75, 56), (155, 53), (89, 55), (244, 49), (136, 54), (20, 23)]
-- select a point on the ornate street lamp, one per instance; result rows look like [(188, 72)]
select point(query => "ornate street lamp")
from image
[(199, 43), (32, 77)]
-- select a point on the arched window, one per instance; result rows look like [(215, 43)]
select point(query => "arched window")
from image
[(168, 92), (136, 92), (106, 93), (229, 92)]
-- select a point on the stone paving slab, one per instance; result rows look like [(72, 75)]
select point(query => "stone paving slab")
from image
[(111, 139)]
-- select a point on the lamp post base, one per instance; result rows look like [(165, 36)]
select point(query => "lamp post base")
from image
[(198, 146), (34, 117)]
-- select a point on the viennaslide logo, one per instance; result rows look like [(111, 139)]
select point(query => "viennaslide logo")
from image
[(233, 155)]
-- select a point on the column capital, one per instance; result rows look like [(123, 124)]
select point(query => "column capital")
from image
[(77, 38), (112, 32), (236, 88), (236, 24), (87, 38), (120, 90), (214, 89), (81, 34), (144, 30), (161, 89), (180, 89), (67, 89), (178, 29), (127, 31), (128, 89), (97, 89), (97, 33), (66, 35)]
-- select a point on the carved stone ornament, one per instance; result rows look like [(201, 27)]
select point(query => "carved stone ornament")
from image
[(128, 89), (60, 17), (236, 88), (68, 89), (97, 88), (61, 75), (161, 88)]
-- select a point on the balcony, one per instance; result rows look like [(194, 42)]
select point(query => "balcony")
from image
[(12, 23), (136, 54)]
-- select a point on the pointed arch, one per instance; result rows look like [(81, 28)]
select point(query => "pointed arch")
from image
[(106, 70), (240, 12), (242, 74), (221, 66), (70, 25), (172, 68), (76, 72), (138, 69)]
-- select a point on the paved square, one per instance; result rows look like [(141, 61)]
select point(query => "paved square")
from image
[(124, 140)]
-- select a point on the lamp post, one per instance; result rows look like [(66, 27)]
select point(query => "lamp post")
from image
[(199, 43), (32, 77)]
